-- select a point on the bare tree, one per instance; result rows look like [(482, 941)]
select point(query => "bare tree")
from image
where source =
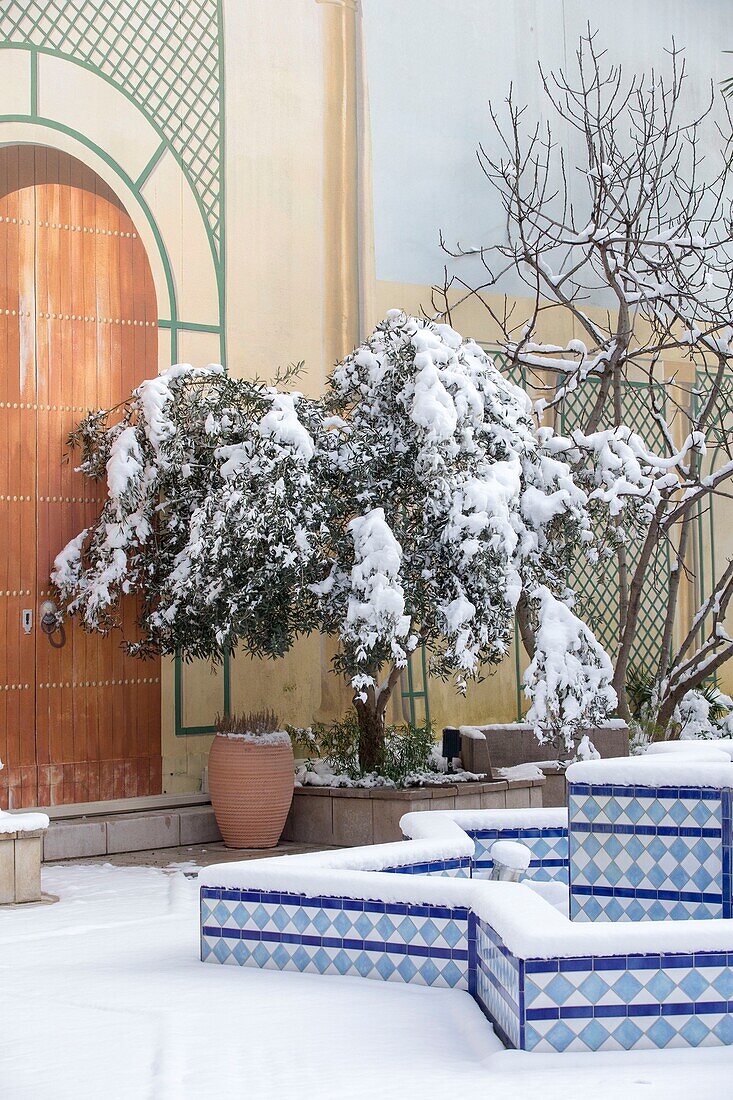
[(631, 238)]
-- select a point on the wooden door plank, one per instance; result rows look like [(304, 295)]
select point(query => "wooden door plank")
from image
[(17, 554), (90, 401)]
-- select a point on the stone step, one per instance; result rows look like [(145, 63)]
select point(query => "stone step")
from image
[(107, 834)]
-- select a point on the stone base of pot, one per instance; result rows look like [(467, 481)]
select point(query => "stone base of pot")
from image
[(251, 787), (20, 867)]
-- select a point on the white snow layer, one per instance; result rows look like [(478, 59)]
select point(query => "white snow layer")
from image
[(376, 609), (521, 771), (22, 823), (275, 737), (104, 996), (418, 825), (687, 748), (569, 676), (713, 769), (511, 853), (530, 925), (282, 424)]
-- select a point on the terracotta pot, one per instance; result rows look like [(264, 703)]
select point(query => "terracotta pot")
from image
[(251, 788)]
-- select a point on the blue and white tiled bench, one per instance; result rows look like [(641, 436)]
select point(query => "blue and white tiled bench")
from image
[(544, 982), (651, 838)]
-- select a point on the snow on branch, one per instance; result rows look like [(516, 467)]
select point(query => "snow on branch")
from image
[(622, 240), (569, 677), (375, 615), (415, 502)]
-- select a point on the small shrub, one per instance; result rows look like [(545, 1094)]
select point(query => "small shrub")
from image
[(702, 713), (334, 742), (406, 750), (256, 722)]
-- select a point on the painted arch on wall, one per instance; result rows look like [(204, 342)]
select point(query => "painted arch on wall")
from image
[(134, 157)]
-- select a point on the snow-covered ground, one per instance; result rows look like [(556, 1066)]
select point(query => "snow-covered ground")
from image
[(102, 996)]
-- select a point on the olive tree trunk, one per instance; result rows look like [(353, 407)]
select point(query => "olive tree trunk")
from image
[(371, 709)]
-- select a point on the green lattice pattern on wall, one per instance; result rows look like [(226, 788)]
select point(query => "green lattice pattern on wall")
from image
[(720, 426), (163, 53), (718, 434), (597, 585)]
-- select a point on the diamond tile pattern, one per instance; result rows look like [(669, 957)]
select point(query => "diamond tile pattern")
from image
[(549, 849), (444, 868), (498, 984), (645, 806), (162, 53), (645, 853), (625, 1003), (426, 945), (585, 1003)]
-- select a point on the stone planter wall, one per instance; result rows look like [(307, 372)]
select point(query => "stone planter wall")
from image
[(20, 867), (350, 816), (506, 746)]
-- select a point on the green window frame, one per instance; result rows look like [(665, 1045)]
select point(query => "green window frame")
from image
[(186, 731)]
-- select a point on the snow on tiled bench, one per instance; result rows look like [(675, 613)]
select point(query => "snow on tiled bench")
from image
[(632, 999), (424, 943), (544, 831), (545, 983), (650, 838)]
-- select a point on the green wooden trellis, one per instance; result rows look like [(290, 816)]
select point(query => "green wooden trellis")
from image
[(597, 585), (415, 688), (164, 55), (705, 555), (167, 58)]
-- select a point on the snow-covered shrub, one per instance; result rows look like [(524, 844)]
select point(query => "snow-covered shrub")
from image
[(701, 713), (414, 503), (211, 496), (432, 440), (704, 713)]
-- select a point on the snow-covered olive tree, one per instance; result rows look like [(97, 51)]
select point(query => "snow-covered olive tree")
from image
[(622, 234), (412, 504)]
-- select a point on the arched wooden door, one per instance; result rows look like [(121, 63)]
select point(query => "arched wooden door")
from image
[(79, 721)]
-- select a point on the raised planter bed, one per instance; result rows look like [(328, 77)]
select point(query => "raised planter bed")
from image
[(351, 816)]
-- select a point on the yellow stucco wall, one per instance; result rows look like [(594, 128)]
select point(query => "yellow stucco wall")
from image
[(291, 282)]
